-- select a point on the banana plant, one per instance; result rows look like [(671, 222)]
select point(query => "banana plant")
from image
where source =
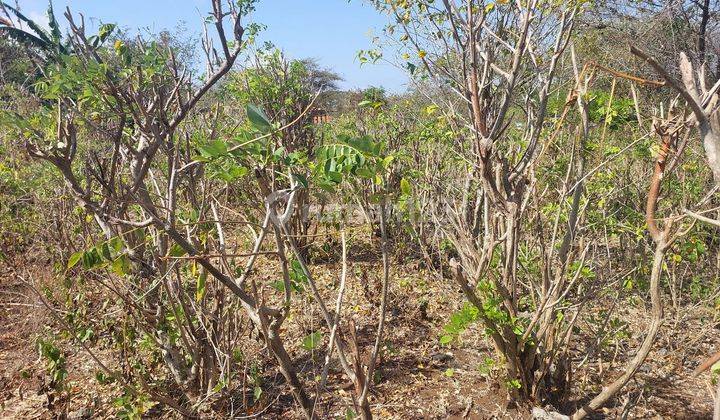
[(49, 43)]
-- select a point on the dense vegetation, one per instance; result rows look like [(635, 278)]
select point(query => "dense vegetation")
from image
[(536, 217)]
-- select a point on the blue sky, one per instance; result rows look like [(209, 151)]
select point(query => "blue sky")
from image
[(332, 31)]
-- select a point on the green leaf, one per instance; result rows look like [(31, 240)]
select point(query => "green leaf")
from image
[(238, 355), (231, 174), (279, 153), (446, 339), (201, 281), (715, 368), (177, 251), (449, 372), (405, 187), (513, 384), (105, 251), (74, 259), (87, 334), (213, 150), (116, 244), (301, 179), (388, 160), (326, 186), (278, 285), (297, 272), (121, 265), (334, 176), (105, 31), (365, 173), (312, 341), (258, 119), (220, 385), (411, 67), (91, 258), (257, 392)]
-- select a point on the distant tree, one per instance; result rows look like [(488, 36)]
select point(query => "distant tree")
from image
[(375, 94), (14, 63), (288, 91), (665, 28)]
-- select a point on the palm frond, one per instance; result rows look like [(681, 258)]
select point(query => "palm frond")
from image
[(53, 23), (25, 37), (40, 32)]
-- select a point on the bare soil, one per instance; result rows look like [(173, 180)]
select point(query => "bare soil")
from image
[(418, 378)]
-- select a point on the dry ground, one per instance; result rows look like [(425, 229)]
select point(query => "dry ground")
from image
[(418, 378)]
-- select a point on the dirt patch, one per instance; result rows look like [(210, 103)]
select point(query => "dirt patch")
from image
[(417, 378)]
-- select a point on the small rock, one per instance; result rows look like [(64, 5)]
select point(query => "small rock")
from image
[(441, 357), (542, 414)]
